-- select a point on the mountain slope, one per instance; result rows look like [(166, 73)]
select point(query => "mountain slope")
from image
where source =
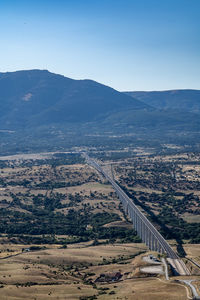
[(182, 100), (38, 97), (40, 110)]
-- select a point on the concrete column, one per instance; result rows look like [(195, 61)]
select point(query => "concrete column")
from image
[(129, 213), (149, 239), (127, 208), (159, 248), (132, 215), (140, 229), (137, 224), (146, 236), (135, 221), (144, 233), (162, 250), (156, 245), (152, 242)]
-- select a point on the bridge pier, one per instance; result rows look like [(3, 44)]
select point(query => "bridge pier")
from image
[(140, 227), (134, 220), (146, 235), (155, 245), (149, 239), (143, 233)]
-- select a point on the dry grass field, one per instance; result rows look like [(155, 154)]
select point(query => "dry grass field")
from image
[(45, 292), (151, 289), (40, 196), (193, 254), (147, 289), (191, 218), (70, 273)]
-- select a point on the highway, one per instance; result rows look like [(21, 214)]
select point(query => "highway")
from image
[(145, 229)]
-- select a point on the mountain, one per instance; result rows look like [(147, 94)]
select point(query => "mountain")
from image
[(42, 111), (181, 100), (38, 97)]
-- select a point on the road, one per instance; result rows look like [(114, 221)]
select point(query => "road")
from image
[(166, 268), (192, 287), (178, 264)]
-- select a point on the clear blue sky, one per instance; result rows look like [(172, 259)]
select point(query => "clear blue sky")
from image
[(126, 44)]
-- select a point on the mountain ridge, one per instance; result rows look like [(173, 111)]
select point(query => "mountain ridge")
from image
[(38, 97), (44, 111), (180, 99)]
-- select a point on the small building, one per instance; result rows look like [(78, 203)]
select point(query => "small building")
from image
[(109, 277), (26, 250)]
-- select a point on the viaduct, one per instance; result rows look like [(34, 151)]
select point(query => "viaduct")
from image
[(144, 228)]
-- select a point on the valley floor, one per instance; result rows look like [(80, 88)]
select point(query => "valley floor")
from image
[(64, 235), (72, 273)]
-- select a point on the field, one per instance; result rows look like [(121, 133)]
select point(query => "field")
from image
[(62, 226), (56, 273)]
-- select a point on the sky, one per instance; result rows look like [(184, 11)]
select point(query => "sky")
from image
[(129, 45)]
